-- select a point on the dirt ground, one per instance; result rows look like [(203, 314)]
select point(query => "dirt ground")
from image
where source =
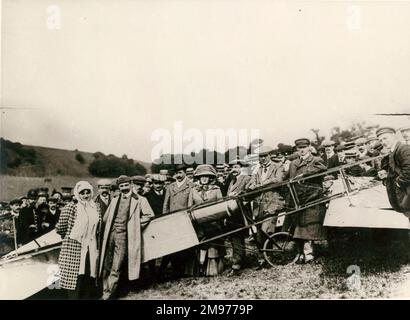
[(381, 259)]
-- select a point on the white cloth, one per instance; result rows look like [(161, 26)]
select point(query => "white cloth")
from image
[(85, 228), (394, 146)]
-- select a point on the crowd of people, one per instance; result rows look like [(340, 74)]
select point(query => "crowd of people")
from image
[(101, 235)]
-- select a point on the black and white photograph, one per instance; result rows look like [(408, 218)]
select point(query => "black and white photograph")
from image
[(205, 150)]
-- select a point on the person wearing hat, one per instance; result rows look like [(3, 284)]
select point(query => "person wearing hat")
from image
[(52, 215), (405, 133), (126, 215), (177, 193), (237, 185), (210, 256), (164, 172), (351, 157), (27, 223), (190, 174), (395, 171), (361, 148), (168, 181), (57, 195), (24, 202), (147, 186), (176, 198), (103, 198), (268, 202), (79, 227), (43, 216), (7, 228), (138, 183), (15, 208), (309, 222), (370, 144), (156, 195), (331, 158), (66, 191), (341, 155)]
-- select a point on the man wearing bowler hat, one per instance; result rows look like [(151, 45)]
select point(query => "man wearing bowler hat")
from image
[(395, 171), (126, 215), (238, 182), (27, 222), (309, 222), (176, 198)]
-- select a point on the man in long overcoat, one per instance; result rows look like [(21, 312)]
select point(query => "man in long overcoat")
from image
[(268, 202), (309, 222), (126, 215), (176, 198)]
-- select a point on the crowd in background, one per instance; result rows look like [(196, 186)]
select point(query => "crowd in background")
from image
[(101, 232)]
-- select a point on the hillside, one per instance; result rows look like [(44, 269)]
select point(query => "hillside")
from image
[(33, 161)]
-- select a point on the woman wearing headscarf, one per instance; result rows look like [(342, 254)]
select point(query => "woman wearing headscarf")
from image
[(211, 255), (79, 226)]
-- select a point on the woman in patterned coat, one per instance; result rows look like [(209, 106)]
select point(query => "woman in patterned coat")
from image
[(79, 227)]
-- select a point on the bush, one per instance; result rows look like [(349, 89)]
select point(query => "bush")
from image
[(14, 155), (98, 155), (80, 158), (111, 167)]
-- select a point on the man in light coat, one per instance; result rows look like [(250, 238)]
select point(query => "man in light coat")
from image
[(268, 202), (176, 198), (126, 215)]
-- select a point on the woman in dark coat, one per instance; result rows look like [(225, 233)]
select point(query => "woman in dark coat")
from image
[(79, 226)]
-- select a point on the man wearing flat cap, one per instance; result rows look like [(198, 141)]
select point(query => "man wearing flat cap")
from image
[(405, 133), (126, 215), (138, 183), (340, 151), (351, 158), (331, 158), (156, 195), (269, 202), (395, 171), (309, 222), (103, 198)]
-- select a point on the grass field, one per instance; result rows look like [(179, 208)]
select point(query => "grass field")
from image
[(383, 260), (13, 186)]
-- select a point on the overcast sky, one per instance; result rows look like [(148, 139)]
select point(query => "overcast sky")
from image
[(115, 71)]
